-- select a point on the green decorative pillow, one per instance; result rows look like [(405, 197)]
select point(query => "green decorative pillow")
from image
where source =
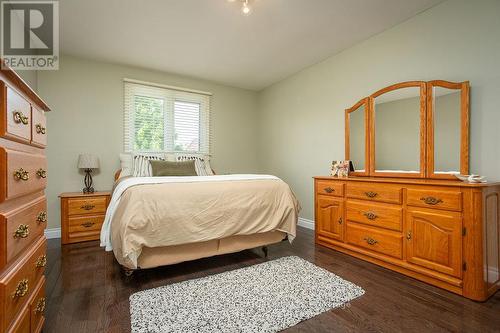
[(166, 168)]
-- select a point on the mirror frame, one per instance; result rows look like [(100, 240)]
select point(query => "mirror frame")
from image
[(366, 102), (423, 102), (464, 126)]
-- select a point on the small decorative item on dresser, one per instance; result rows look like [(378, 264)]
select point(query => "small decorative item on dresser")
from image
[(82, 216), (341, 168), (88, 162)]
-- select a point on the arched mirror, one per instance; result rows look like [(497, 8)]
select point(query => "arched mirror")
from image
[(397, 130), (356, 138), (447, 129)]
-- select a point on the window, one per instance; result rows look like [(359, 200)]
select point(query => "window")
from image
[(165, 119)]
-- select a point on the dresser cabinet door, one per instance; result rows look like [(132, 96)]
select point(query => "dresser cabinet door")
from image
[(434, 240), (330, 217)]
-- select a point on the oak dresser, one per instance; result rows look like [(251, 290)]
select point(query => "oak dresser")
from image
[(23, 215)]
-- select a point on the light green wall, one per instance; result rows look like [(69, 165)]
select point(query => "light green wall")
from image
[(30, 77), (301, 119), (87, 102)]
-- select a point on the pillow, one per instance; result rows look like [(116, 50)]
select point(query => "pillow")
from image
[(202, 164), (142, 165), (166, 168), (126, 165)]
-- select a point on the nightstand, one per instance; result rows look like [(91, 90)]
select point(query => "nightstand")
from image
[(82, 216)]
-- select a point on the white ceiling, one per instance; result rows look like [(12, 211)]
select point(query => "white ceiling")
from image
[(210, 39)]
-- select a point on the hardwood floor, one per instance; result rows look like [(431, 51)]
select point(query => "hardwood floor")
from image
[(87, 292)]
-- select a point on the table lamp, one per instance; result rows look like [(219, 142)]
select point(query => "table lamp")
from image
[(88, 162)]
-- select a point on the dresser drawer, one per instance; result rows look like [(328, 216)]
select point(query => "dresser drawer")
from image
[(329, 188), (88, 206), (379, 215), (380, 192), (37, 307), (84, 227), (25, 173), (22, 323), (38, 128), (374, 239), (448, 199), (16, 122), (18, 283), (19, 228)]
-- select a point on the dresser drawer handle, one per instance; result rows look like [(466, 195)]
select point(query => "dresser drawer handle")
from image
[(21, 174), (21, 289), (371, 241), (371, 194), (22, 231), (87, 206), (408, 235), (87, 224), (41, 261), (340, 221), (41, 173), (431, 200), (329, 190), (41, 217), (19, 117), (370, 215), (40, 129), (40, 305)]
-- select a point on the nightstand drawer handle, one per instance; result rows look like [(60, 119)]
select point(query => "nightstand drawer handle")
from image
[(40, 129), (371, 241), (41, 217), (22, 231), (41, 173), (88, 206), (431, 200), (40, 305), (21, 289), (19, 117), (370, 215), (371, 194), (329, 190), (21, 174), (41, 261), (87, 224)]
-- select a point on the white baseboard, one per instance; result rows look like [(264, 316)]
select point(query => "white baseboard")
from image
[(309, 224), (53, 233)]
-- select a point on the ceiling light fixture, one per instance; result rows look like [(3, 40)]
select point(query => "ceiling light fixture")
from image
[(245, 7)]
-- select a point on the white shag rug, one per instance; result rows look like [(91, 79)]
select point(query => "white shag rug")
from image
[(266, 297)]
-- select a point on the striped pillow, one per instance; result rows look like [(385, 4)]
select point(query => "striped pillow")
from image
[(142, 167), (201, 164)]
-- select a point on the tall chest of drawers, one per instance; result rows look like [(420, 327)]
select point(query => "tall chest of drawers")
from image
[(445, 233), (23, 208)]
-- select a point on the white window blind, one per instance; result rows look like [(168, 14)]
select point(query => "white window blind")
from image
[(165, 119)]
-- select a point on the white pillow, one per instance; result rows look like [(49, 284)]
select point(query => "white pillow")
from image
[(142, 167), (126, 165)]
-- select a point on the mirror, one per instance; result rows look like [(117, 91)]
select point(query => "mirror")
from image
[(356, 137), (446, 106), (397, 113)]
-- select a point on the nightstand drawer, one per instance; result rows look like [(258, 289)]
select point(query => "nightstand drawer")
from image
[(87, 206), (84, 228)]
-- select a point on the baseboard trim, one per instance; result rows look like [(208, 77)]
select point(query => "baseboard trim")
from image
[(53, 233), (306, 223)]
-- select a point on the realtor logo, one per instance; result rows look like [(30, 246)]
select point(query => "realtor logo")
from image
[(30, 34)]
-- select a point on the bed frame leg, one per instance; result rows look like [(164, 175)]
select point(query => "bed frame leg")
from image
[(127, 271), (265, 250)]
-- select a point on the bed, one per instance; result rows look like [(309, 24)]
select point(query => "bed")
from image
[(157, 221)]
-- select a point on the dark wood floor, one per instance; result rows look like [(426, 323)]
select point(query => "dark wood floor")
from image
[(87, 292)]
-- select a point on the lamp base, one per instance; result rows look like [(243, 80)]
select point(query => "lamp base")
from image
[(88, 182)]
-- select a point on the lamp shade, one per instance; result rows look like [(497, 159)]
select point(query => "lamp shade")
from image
[(88, 161)]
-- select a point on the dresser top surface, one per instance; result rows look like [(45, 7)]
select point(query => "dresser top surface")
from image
[(415, 181), (84, 195)]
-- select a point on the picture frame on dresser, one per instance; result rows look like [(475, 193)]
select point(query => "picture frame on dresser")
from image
[(23, 205)]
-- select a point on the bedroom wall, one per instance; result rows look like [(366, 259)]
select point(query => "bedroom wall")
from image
[(87, 102), (301, 119)]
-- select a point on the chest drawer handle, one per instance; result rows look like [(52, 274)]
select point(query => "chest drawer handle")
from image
[(329, 190), (21, 174), (41, 217), (19, 117), (87, 206), (41, 173), (431, 200), (41, 261), (371, 194), (340, 221), (370, 215), (371, 241), (22, 231), (40, 129), (87, 224), (21, 289), (40, 305)]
